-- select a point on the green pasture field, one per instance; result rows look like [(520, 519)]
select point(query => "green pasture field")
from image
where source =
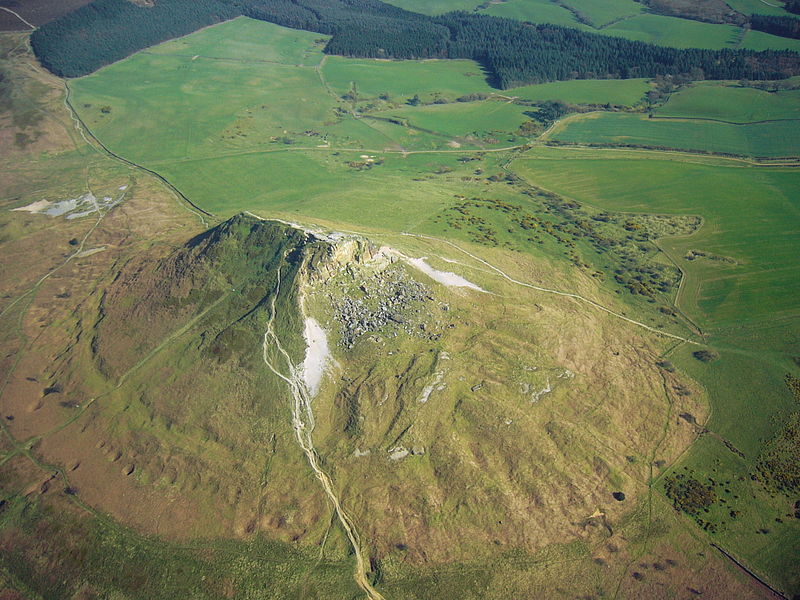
[(177, 111), (757, 7), (435, 7), (159, 105), (758, 40), (771, 139), (316, 185), (248, 40), (732, 103), (623, 92), (403, 79), (535, 11), (676, 32), (461, 119), (602, 12), (450, 79), (750, 216)]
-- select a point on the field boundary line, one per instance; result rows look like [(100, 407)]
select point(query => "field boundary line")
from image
[(709, 119), (769, 162), (733, 559), (83, 127), (756, 160), (546, 139), (16, 14)]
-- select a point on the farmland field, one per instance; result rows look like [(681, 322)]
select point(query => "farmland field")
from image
[(672, 31), (758, 40), (602, 12), (766, 139), (402, 79), (435, 7), (535, 11), (450, 79), (732, 103), (624, 92), (463, 118), (631, 317), (757, 7), (750, 215), (248, 41)]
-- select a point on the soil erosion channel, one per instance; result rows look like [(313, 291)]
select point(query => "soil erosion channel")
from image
[(303, 425)]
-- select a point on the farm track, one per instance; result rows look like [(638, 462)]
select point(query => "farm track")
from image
[(337, 149), (578, 297), (710, 120), (16, 14), (684, 154)]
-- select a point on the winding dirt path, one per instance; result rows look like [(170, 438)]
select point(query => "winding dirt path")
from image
[(597, 305)]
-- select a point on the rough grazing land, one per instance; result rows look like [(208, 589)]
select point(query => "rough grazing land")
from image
[(147, 450)]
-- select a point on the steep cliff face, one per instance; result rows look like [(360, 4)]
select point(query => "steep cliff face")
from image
[(340, 252)]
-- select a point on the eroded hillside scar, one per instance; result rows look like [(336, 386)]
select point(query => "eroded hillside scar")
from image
[(301, 389)]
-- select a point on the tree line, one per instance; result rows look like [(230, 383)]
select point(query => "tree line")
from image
[(784, 26), (514, 53)]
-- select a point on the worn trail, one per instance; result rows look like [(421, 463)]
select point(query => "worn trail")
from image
[(597, 305), (16, 14)]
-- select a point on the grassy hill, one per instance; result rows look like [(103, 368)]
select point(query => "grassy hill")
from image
[(629, 310)]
